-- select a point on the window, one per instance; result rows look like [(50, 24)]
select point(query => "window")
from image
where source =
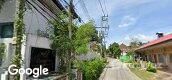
[(170, 57), (6, 30), (161, 58)]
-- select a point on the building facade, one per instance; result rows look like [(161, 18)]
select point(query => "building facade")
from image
[(36, 48), (158, 51)]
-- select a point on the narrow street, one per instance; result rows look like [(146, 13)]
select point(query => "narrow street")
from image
[(117, 70)]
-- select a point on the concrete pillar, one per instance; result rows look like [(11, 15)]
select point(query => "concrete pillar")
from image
[(23, 55), (166, 59), (57, 63)]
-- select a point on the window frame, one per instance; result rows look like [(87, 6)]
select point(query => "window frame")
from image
[(170, 56), (6, 24)]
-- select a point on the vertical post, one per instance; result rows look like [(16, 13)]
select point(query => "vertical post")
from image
[(70, 37)]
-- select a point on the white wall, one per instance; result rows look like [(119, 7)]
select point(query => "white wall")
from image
[(169, 63), (8, 51), (35, 21), (34, 41), (7, 12), (32, 19)]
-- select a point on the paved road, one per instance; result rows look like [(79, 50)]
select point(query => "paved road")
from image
[(117, 70)]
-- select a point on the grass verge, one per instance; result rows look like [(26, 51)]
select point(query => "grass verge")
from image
[(144, 75)]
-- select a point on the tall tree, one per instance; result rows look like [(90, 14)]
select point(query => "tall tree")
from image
[(114, 50), (135, 43), (61, 42), (85, 34)]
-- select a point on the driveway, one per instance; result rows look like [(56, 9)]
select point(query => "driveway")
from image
[(116, 70)]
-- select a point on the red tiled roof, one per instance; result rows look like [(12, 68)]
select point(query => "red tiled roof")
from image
[(156, 41)]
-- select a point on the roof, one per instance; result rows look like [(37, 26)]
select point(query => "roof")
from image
[(157, 41), (122, 46), (62, 7), (54, 6)]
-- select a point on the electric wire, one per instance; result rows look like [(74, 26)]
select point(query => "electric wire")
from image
[(105, 5), (101, 7), (84, 8)]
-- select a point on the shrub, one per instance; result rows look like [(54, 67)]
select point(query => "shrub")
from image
[(92, 69), (2, 50), (150, 67), (126, 58)]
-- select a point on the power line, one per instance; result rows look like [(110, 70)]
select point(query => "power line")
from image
[(77, 2), (105, 6), (84, 8), (67, 4), (101, 7)]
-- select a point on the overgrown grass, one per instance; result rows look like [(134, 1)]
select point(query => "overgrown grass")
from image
[(92, 69), (144, 75)]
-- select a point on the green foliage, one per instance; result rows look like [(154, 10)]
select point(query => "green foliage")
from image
[(135, 64), (126, 58), (91, 69), (61, 42), (114, 50), (135, 43), (2, 50), (85, 34), (144, 75), (19, 28), (1, 4), (130, 53), (150, 67), (18, 33)]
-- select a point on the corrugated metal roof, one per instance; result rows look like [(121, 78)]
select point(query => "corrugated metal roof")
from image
[(157, 41)]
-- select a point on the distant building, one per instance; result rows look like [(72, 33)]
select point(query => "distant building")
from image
[(158, 51), (124, 49)]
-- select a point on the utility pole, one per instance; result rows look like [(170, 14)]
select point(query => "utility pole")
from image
[(70, 37), (103, 33)]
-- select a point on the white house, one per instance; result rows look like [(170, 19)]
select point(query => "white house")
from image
[(36, 44)]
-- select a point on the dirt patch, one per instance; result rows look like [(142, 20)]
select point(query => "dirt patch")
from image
[(161, 75)]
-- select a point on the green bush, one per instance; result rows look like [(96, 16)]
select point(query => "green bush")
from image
[(150, 67), (2, 50), (92, 69), (126, 58)]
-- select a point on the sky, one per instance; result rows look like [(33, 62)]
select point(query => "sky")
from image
[(129, 19)]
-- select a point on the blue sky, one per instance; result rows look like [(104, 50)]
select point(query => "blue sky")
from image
[(131, 18)]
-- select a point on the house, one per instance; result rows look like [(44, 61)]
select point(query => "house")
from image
[(36, 48), (124, 49), (158, 51)]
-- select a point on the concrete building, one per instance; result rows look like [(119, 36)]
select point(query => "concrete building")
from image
[(158, 51), (36, 48)]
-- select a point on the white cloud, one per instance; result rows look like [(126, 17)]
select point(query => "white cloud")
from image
[(114, 5), (127, 21), (141, 37)]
